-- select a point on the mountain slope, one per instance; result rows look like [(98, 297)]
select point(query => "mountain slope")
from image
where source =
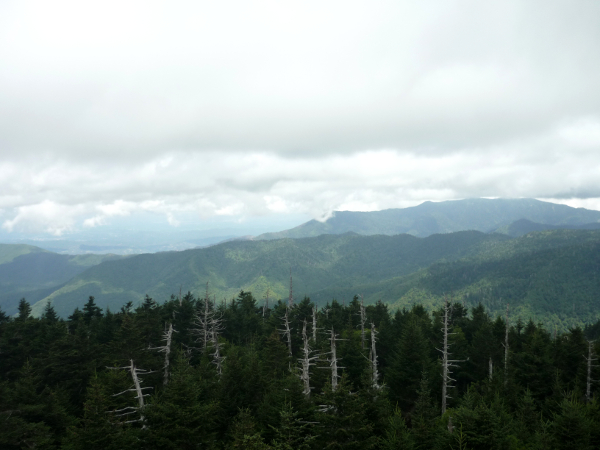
[(559, 286), (444, 217), (9, 252), (541, 274), (34, 273), (523, 226), (317, 263)]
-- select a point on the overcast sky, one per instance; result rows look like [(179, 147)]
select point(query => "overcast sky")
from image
[(250, 109)]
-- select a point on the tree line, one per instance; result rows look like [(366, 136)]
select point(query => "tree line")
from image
[(194, 372)]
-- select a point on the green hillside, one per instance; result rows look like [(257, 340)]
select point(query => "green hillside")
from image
[(429, 218), (550, 275), (9, 252), (34, 273), (548, 279), (324, 262), (523, 226)]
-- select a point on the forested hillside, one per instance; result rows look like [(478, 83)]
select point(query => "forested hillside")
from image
[(550, 276), (320, 267), (191, 373), (34, 273)]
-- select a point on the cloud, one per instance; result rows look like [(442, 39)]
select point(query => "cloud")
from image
[(46, 216), (245, 109)]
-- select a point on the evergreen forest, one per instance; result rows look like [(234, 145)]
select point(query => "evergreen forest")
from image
[(194, 373)]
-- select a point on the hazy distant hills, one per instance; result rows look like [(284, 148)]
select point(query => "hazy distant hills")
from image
[(429, 218), (33, 273), (524, 226)]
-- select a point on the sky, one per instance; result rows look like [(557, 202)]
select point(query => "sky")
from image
[(241, 113)]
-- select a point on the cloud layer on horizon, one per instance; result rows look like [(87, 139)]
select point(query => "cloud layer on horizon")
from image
[(246, 109)]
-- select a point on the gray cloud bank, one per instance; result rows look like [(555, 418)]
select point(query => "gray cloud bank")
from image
[(254, 108)]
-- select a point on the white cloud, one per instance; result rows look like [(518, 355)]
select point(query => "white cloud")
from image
[(47, 216), (246, 109)]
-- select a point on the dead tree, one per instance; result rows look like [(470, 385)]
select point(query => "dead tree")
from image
[(490, 369), (203, 321), (333, 360), (287, 331), (305, 362), (217, 358), (166, 349), (215, 328), (373, 358), (128, 410), (590, 359), (447, 363), (363, 320)]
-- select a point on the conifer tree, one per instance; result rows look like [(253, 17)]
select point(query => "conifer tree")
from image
[(24, 310), (182, 416), (397, 435)]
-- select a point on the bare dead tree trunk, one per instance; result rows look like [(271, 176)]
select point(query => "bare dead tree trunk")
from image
[(166, 349), (306, 361), (216, 326), (373, 358), (287, 331), (490, 369), (447, 363), (217, 359), (590, 358), (206, 319), (333, 360), (168, 337), (363, 320), (137, 388), (203, 321)]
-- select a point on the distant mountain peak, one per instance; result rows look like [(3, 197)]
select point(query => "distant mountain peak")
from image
[(480, 214)]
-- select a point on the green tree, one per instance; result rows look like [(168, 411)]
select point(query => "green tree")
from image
[(342, 421), (410, 359), (24, 310), (397, 436), (182, 416), (292, 433)]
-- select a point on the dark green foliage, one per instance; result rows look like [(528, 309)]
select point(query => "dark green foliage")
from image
[(397, 435), (24, 310), (57, 392), (410, 359), (572, 426), (49, 314), (182, 416), (341, 420), (292, 433), (99, 429)]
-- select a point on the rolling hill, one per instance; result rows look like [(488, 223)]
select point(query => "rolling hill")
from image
[(324, 262), (550, 275), (31, 272)]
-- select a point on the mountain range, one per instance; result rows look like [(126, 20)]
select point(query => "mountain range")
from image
[(544, 263), (480, 214)]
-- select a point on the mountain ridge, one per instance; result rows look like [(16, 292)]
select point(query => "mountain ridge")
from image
[(485, 215)]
